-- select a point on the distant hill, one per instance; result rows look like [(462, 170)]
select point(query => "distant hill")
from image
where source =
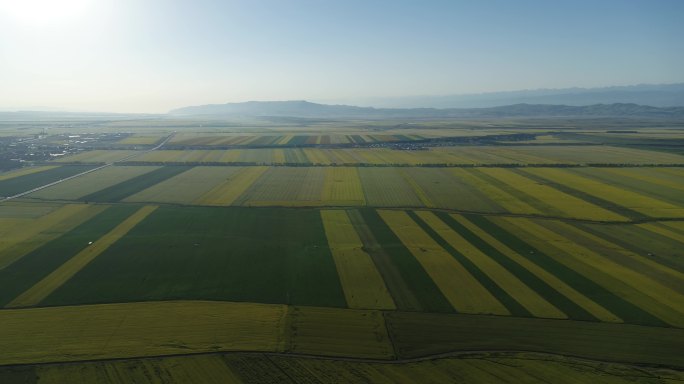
[(656, 95), (307, 109)]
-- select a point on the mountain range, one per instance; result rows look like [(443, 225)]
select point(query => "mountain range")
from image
[(305, 109)]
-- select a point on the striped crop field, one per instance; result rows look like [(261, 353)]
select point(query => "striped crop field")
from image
[(20, 236), (601, 195), (228, 191), (185, 187), (462, 290), (77, 188), (29, 181), (548, 199), (24, 171), (634, 201), (59, 276), (362, 283)]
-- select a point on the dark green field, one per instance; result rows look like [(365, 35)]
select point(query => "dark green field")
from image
[(233, 254)]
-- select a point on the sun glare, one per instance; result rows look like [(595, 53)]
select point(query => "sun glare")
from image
[(44, 12)]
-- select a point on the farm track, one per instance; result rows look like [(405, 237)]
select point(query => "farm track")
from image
[(432, 357)]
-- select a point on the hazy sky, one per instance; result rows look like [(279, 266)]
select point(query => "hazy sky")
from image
[(154, 55)]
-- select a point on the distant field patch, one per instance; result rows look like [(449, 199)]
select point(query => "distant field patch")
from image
[(90, 183), (334, 332), (96, 156), (27, 182)]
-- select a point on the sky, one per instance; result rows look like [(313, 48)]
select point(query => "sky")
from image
[(155, 55)]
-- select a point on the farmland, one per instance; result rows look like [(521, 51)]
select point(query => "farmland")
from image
[(348, 251)]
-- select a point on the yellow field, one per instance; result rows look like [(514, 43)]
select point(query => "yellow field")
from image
[(362, 284), (569, 205), (96, 156), (61, 275), (459, 287), (338, 332), (24, 171), (638, 202), (227, 192), (279, 156), (578, 298), (651, 296), (205, 369), (110, 331), (140, 139), (317, 156), (342, 186), (523, 294), (21, 236), (501, 197)]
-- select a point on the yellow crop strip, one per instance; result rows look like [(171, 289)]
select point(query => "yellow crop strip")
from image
[(227, 192), (422, 195), (578, 298), (362, 284), (342, 186), (568, 204), (205, 369), (523, 294), (24, 238), (61, 275), (24, 172), (651, 296), (279, 156), (316, 156), (626, 198), (459, 287), (108, 331), (499, 196)]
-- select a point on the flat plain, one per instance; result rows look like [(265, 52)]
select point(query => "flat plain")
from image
[(352, 252)]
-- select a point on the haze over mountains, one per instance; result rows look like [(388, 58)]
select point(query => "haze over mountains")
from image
[(638, 100), (661, 101), (656, 95)]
